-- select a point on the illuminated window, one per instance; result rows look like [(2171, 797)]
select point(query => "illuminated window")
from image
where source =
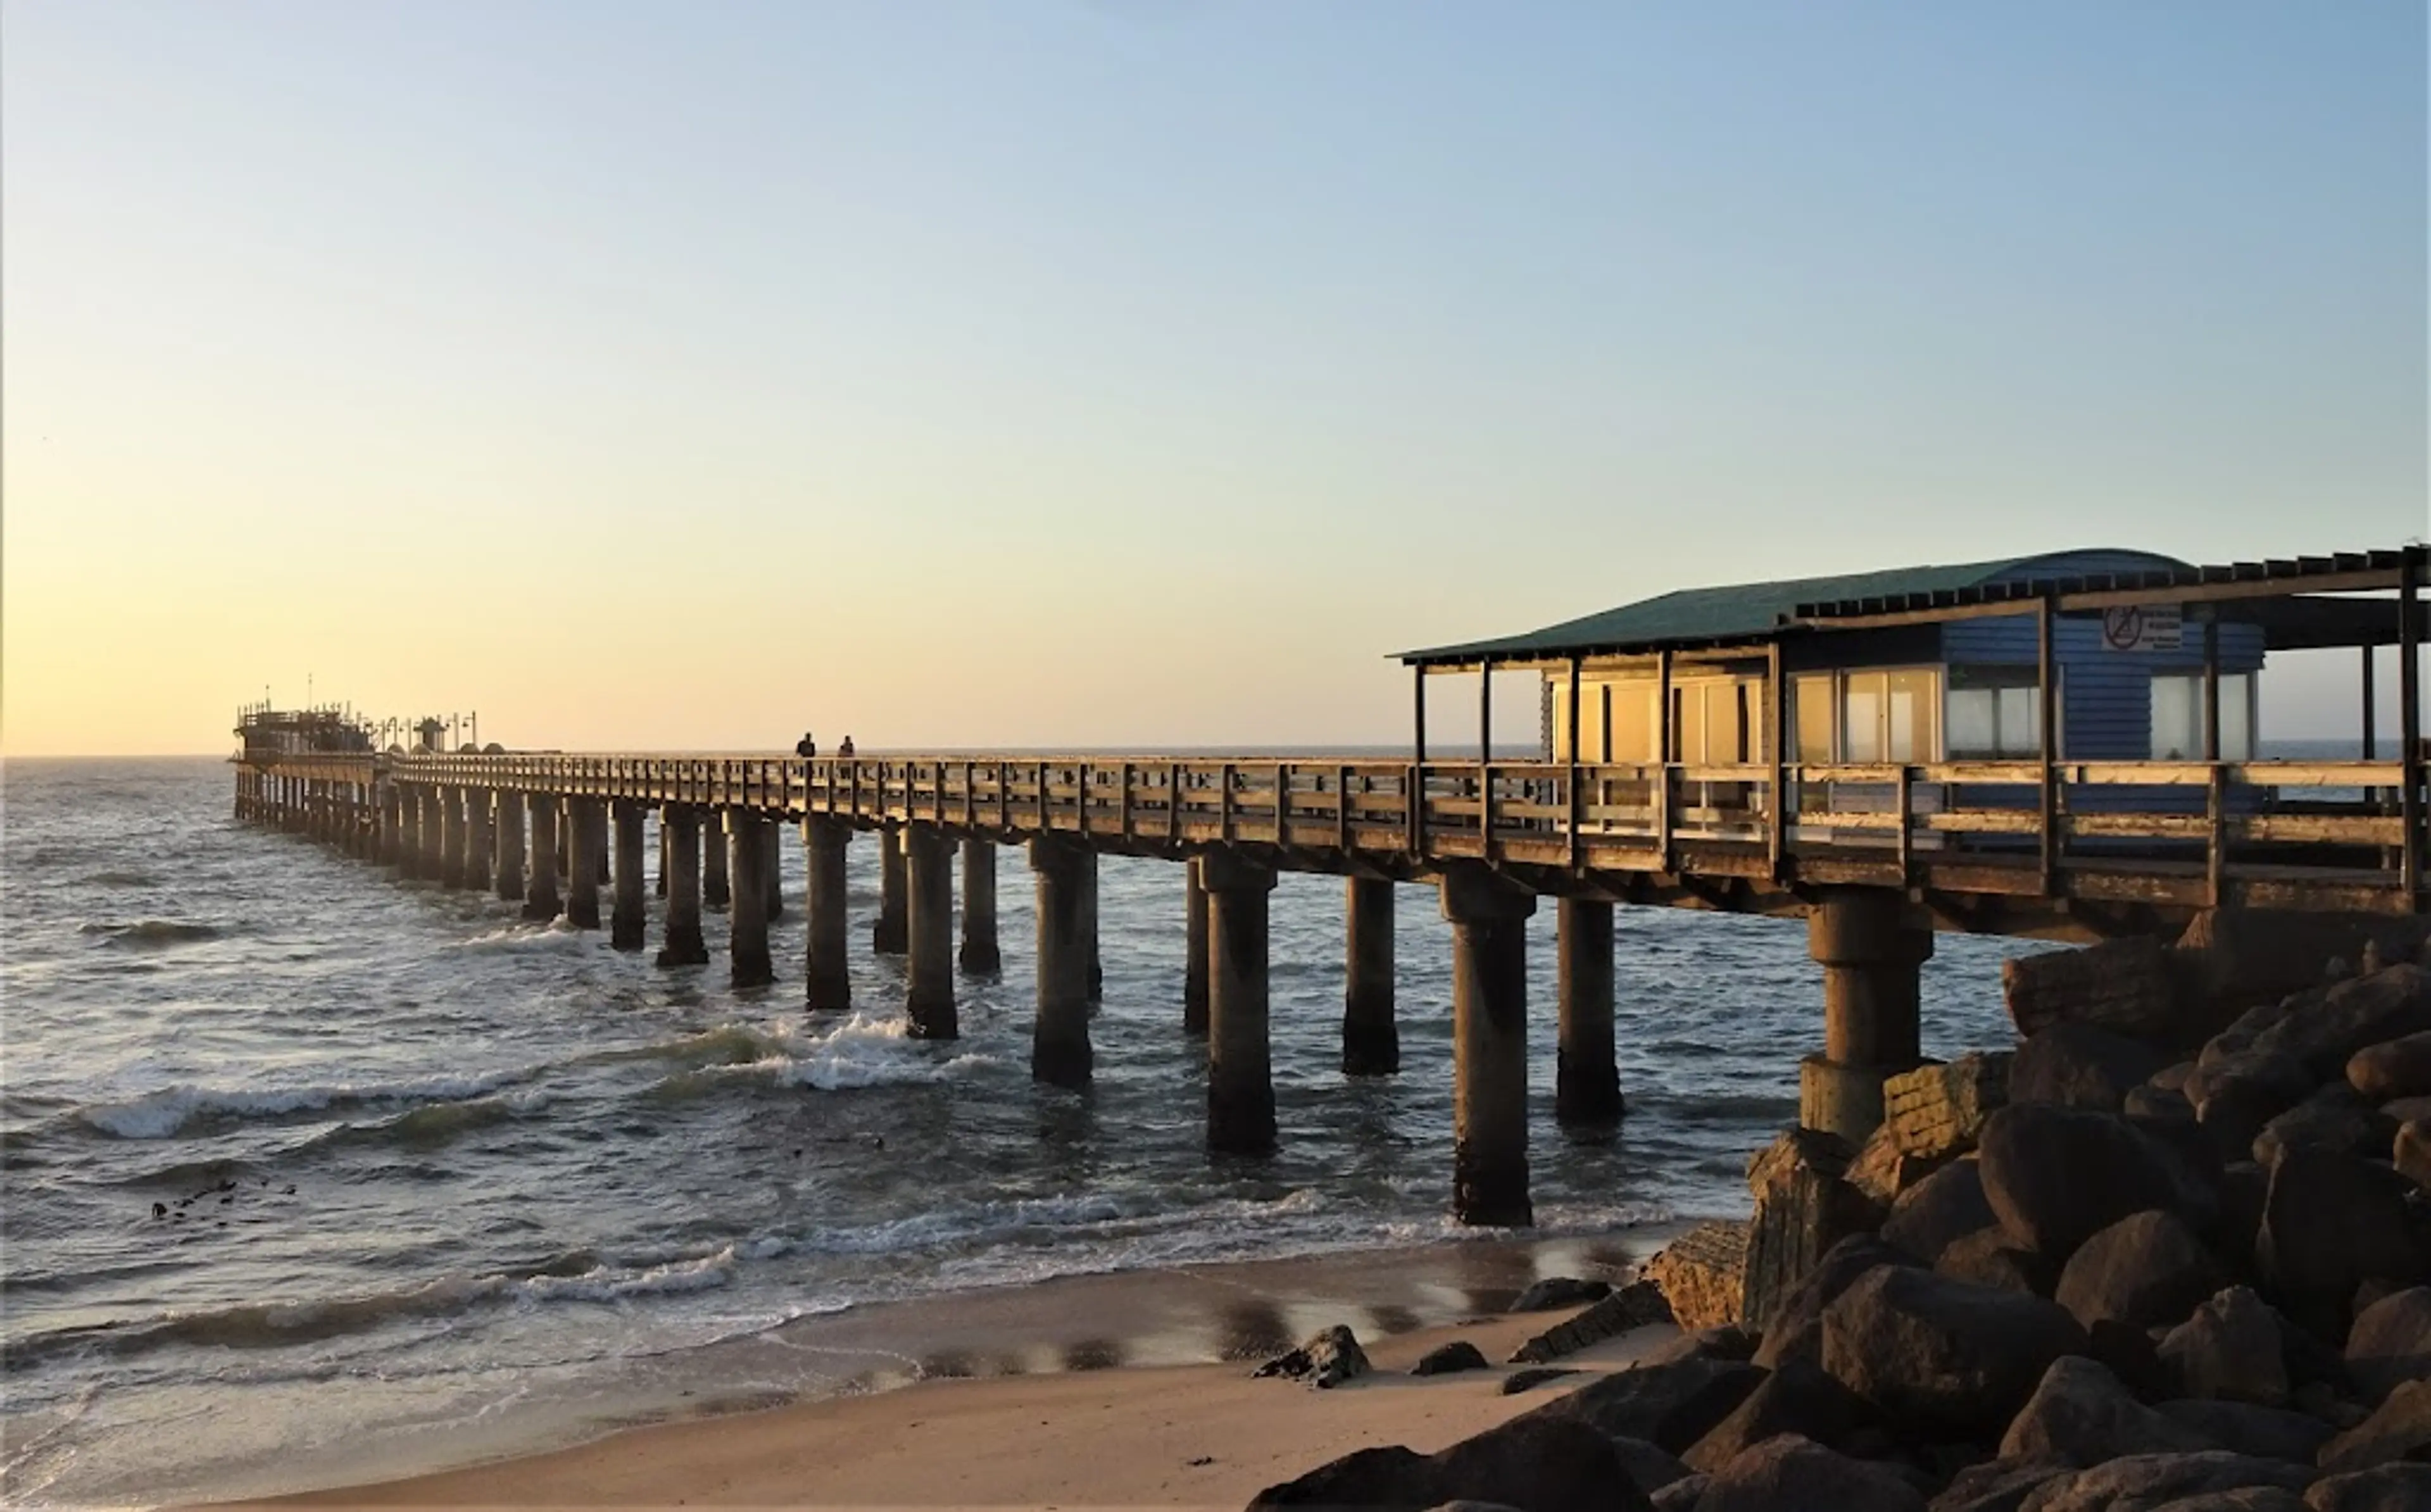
[(1993, 712), (2178, 717)]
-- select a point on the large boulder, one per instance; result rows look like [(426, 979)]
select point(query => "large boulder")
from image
[(2411, 1152), (1935, 1112), (2391, 1343), (1650, 1467), (2145, 1270), (2336, 1118), (1553, 1293), (1796, 1331), (2324, 1032), (1448, 1358), (2237, 1095), (2235, 958), (1799, 1398), (1802, 1207), (2273, 1432), (2122, 986), (2394, 1487), (1989, 1257), (2055, 1176), (1671, 1407), (1330, 1357), (2230, 1350), (1793, 1474), (2392, 1068), (2143, 1482), (2399, 1428), (2330, 1223), (1882, 1171), (1635, 1305), (1702, 1275), (1533, 1463), (1999, 1485), (2079, 1066), (1941, 1207), (2080, 1413), (1930, 1350)]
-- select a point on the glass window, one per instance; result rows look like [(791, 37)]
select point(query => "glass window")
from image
[(2022, 723), (2177, 719), (2236, 717), (1910, 711), (1861, 718), (1633, 720), (1813, 713), (1974, 721)]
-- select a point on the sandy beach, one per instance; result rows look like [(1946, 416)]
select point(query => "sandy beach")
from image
[(1082, 1432)]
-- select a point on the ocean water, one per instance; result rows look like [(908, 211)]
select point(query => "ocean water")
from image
[(298, 1157)]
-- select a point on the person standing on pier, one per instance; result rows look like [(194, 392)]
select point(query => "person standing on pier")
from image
[(806, 747)]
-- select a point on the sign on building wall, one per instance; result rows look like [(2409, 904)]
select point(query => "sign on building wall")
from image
[(2142, 628)]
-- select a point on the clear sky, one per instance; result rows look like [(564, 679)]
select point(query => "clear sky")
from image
[(1137, 372)]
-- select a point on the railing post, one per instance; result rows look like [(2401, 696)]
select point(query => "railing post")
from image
[(2409, 723), (1342, 809), (1906, 840), (2047, 668), (1282, 805), (1776, 784)]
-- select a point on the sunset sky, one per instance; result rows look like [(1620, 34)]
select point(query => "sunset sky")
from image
[(1137, 372)]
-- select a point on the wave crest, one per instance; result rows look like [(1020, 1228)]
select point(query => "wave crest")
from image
[(161, 1114)]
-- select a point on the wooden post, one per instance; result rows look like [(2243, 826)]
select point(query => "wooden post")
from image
[(1776, 761), (2409, 724), (2214, 780), (1662, 794), (2370, 738), (1577, 811), (2046, 667), (1419, 713), (1485, 712)]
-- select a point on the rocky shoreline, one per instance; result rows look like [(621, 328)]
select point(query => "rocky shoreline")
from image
[(2170, 1250)]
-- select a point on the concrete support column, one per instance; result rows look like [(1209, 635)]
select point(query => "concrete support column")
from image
[(680, 828), (540, 892), (1586, 1074), (1194, 946), (1240, 1080), (586, 823), (665, 845), (564, 839), (746, 833), (407, 804), (1089, 922), (979, 955), (773, 896), (1371, 1042), (890, 935), (714, 891), (507, 849), (427, 832), (451, 837), (1870, 946), (1489, 1031), (625, 918), (1060, 1053), (830, 987), (928, 979), (477, 841)]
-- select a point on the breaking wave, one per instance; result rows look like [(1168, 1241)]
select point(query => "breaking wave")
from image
[(161, 1114), (152, 933), (860, 1052)]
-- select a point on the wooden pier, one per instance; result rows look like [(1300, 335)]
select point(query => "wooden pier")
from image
[(1875, 854)]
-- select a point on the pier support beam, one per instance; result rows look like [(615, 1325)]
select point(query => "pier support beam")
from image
[(929, 977), (890, 935), (1489, 1033), (680, 827), (714, 891), (773, 897), (979, 955), (1871, 949), (1586, 1074), (1240, 1080), (1089, 923), (746, 832), (477, 840), (392, 828), (1060, 1053), (1371, 1042), (626, 917), (451, 837), (586, 823), (660, 883), (540, 893), (830, 989), (507, 865), (426, 828), (1194, 946)]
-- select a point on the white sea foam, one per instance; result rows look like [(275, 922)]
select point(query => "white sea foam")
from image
[(160, 1114)]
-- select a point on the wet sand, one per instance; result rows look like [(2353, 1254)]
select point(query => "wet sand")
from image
[(1130, 1389)]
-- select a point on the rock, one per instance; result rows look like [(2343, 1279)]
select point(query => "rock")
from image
[(1802, 1209), (2171, 1077), (1650, 1467), (2146, 1269), (2324, 1035), (1796, 1328), (1671, 1407), (1998, 1485), (1635, 1305), (1944, 1206), (2230, 1350), (1681, 1495), (2239, 1037), (1327, 1360), (2245, 1498), (1988, 1258), (2399, 1428), (1789, 1473), (1943, 1353), (2329, 1224), (2237, 1096), (2135, 1357), (1702, 1275), (2055, 1176), (2391, 1343), (1460, 1354), (1882, 1171), (2154, 1481), (2081, 1414), (2239, 957), (2150, 1102), (2244, 1189), (1518, 1381), (2077, 1065), (1936, 1112), (1391, 1476), (2394, 1487), (2411, 1151), (1797, 1399), (1728, 1342), (2335, 1119), (2272, 1433), (1560, 1291), (2392, 1068), (2122, 986), (1466, 1505), (2318, 1401), (1533, 1463), (2407, 1109)]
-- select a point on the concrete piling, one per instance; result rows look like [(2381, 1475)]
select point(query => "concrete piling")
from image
[(746, 918), (680, 827), (506, 864), (928, 977), (477, 840), (1194, 946), (889, 935), (664, 847), (626, 915), (824, 900), (772, 896), (586, 823), (1060, 1051), (428, 849), (1240, 1079), (540, 893), (1871, 947), (979, 955), (716, 892), (1489, 1022), (1586, 1075), (451, 837), (1089, 923), (1371, 1042)]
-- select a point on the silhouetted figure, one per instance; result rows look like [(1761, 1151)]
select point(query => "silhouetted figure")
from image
[(806, 747), (845, 749)]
